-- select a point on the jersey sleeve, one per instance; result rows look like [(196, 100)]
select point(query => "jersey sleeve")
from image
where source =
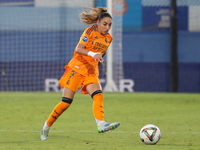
[(84, 39)]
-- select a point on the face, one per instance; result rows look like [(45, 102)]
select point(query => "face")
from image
[(104, 25)]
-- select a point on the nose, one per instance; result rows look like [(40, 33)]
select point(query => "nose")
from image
[(108, 27)]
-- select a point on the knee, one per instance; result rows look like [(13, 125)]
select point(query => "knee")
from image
[(98, 92), (67, 100)]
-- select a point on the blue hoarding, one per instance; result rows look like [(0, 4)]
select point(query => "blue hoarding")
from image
[(148, 77), (158, 18)]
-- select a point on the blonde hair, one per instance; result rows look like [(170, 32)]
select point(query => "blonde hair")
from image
[(93, 14)]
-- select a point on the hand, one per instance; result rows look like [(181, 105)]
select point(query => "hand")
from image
[(100, 63), (98, 57)]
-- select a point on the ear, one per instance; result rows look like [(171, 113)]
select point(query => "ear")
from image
[(98, 22)]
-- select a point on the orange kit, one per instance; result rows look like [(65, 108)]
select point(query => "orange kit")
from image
[(83, 70)]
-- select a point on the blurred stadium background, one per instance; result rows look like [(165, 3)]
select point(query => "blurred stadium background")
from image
[(38, 37)]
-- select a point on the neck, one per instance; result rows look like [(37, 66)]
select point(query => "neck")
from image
[(98, 30)]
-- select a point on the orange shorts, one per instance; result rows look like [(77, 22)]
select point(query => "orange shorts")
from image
[(74, 80)]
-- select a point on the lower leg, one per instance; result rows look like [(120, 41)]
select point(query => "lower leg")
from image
[(98, 109), (99, 113), (58, 110)]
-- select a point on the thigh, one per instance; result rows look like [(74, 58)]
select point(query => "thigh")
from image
[(90, 84), (91, 88), (68, 93)]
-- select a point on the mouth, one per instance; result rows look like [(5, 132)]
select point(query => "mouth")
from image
[(105, 32)]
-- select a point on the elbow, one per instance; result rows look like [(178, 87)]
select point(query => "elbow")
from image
[(80, 49), (77, 50)]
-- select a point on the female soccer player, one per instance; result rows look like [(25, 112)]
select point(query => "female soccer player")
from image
[(83, 70)]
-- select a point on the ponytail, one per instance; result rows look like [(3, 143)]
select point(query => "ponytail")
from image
[(93, 14)]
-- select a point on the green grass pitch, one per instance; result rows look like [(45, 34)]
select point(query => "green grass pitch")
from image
[(23, 115)]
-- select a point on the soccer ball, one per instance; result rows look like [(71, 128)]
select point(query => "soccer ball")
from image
[(150, 134)]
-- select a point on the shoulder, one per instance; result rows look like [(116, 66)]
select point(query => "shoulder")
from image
[(87, 35), (90, 29), (109, 37)]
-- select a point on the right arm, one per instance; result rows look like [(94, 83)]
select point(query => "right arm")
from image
[(80, 49)]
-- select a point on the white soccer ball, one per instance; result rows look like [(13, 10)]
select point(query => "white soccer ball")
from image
[(150, 134)]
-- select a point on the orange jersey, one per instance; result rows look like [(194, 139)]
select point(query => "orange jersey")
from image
[(94, 42)]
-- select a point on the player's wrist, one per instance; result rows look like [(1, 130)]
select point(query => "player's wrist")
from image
[(92, 54)]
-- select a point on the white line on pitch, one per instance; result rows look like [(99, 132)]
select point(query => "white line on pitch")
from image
[(96, 131)]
